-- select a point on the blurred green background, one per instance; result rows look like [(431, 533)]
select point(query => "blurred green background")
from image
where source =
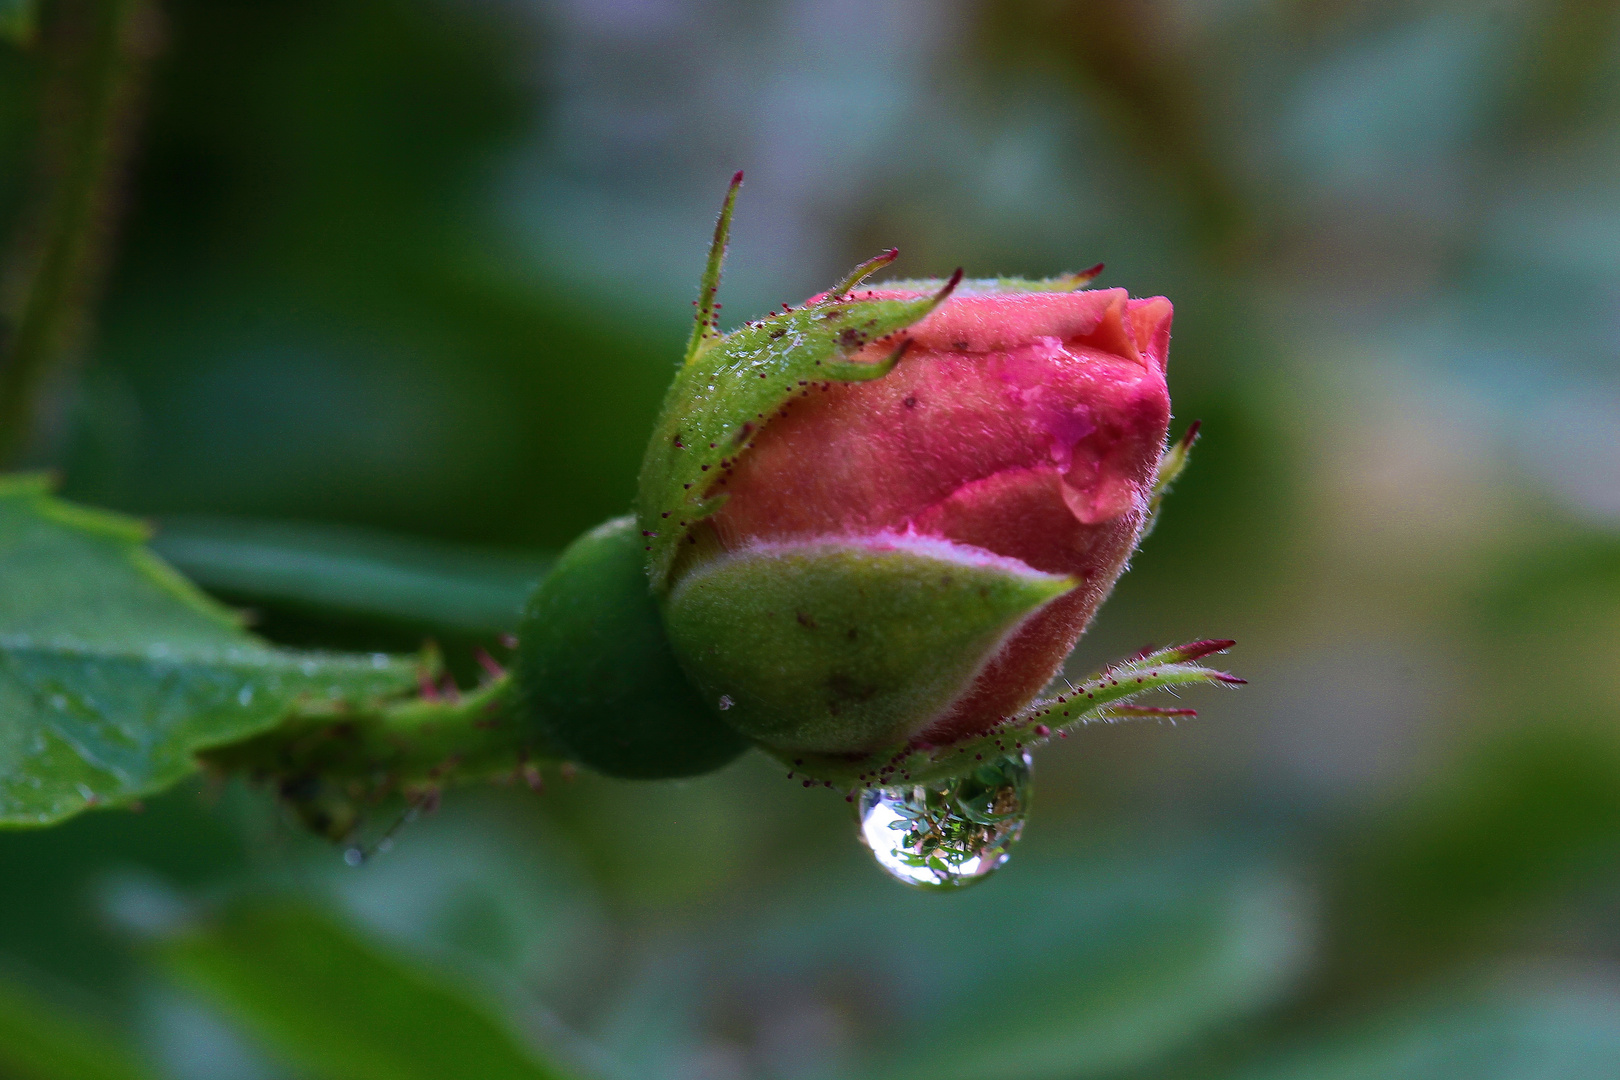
[(392, 289)]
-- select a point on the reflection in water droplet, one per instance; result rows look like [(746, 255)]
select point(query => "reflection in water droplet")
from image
[(949, 833)]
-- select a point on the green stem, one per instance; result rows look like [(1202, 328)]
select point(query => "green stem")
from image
[(327, 763), (97, 53)]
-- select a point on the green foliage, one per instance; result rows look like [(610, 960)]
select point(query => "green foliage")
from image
[(1514, 828), (17, 19), (38, 1042), (114, 671), (1069, 968), (598, 678), (842, 647), (337, 1007), (1509, 1032), (350, 575)]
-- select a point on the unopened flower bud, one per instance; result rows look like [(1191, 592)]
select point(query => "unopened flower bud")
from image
[(871, 527), (1012, 449), (885, 517)]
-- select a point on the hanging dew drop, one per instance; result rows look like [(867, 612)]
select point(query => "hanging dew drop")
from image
[(951, 833)]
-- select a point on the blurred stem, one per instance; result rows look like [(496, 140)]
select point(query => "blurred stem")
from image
[(96, 56), (325, 762)]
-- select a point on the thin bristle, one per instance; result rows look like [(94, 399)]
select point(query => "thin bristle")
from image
[(1193, 650)]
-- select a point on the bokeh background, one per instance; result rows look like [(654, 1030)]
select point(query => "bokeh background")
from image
[(391, 291)]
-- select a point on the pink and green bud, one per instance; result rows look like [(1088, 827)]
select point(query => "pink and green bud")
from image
[(1022, 430), (884, 518)]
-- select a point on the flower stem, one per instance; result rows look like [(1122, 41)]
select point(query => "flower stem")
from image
[(326, 762), (96, 53)]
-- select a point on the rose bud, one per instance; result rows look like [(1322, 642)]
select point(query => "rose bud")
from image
[(913, 557), (883, 519)]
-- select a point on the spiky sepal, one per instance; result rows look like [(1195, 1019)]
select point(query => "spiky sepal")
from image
[(1103, 698)]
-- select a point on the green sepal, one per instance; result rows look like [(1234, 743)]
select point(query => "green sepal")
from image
[(843, 645), (737, 385), (1103, 698), (596, 675), (731, 386), (1171, 464)]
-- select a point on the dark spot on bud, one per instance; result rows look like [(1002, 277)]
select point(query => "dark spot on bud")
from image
[(851, 634), (911, 403), (704, 468), (777, 333), (807, 621), (959, 346)]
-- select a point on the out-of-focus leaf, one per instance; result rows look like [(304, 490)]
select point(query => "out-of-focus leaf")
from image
[(114, 670), (1045, 972), (353, 574), (18, 19), (335, 1007), (1554, 1033), (1501, 838), (38, 1042)]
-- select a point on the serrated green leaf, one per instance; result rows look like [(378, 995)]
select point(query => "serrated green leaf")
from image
[(114, 670), (338, 1008), (39, 1042), (736, 385)]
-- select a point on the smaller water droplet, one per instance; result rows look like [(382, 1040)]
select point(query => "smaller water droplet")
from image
[(354, 856), (952, 833), (725, 702)]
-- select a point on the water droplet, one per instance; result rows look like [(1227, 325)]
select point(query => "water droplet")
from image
[(354, 856), (951, 833)]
